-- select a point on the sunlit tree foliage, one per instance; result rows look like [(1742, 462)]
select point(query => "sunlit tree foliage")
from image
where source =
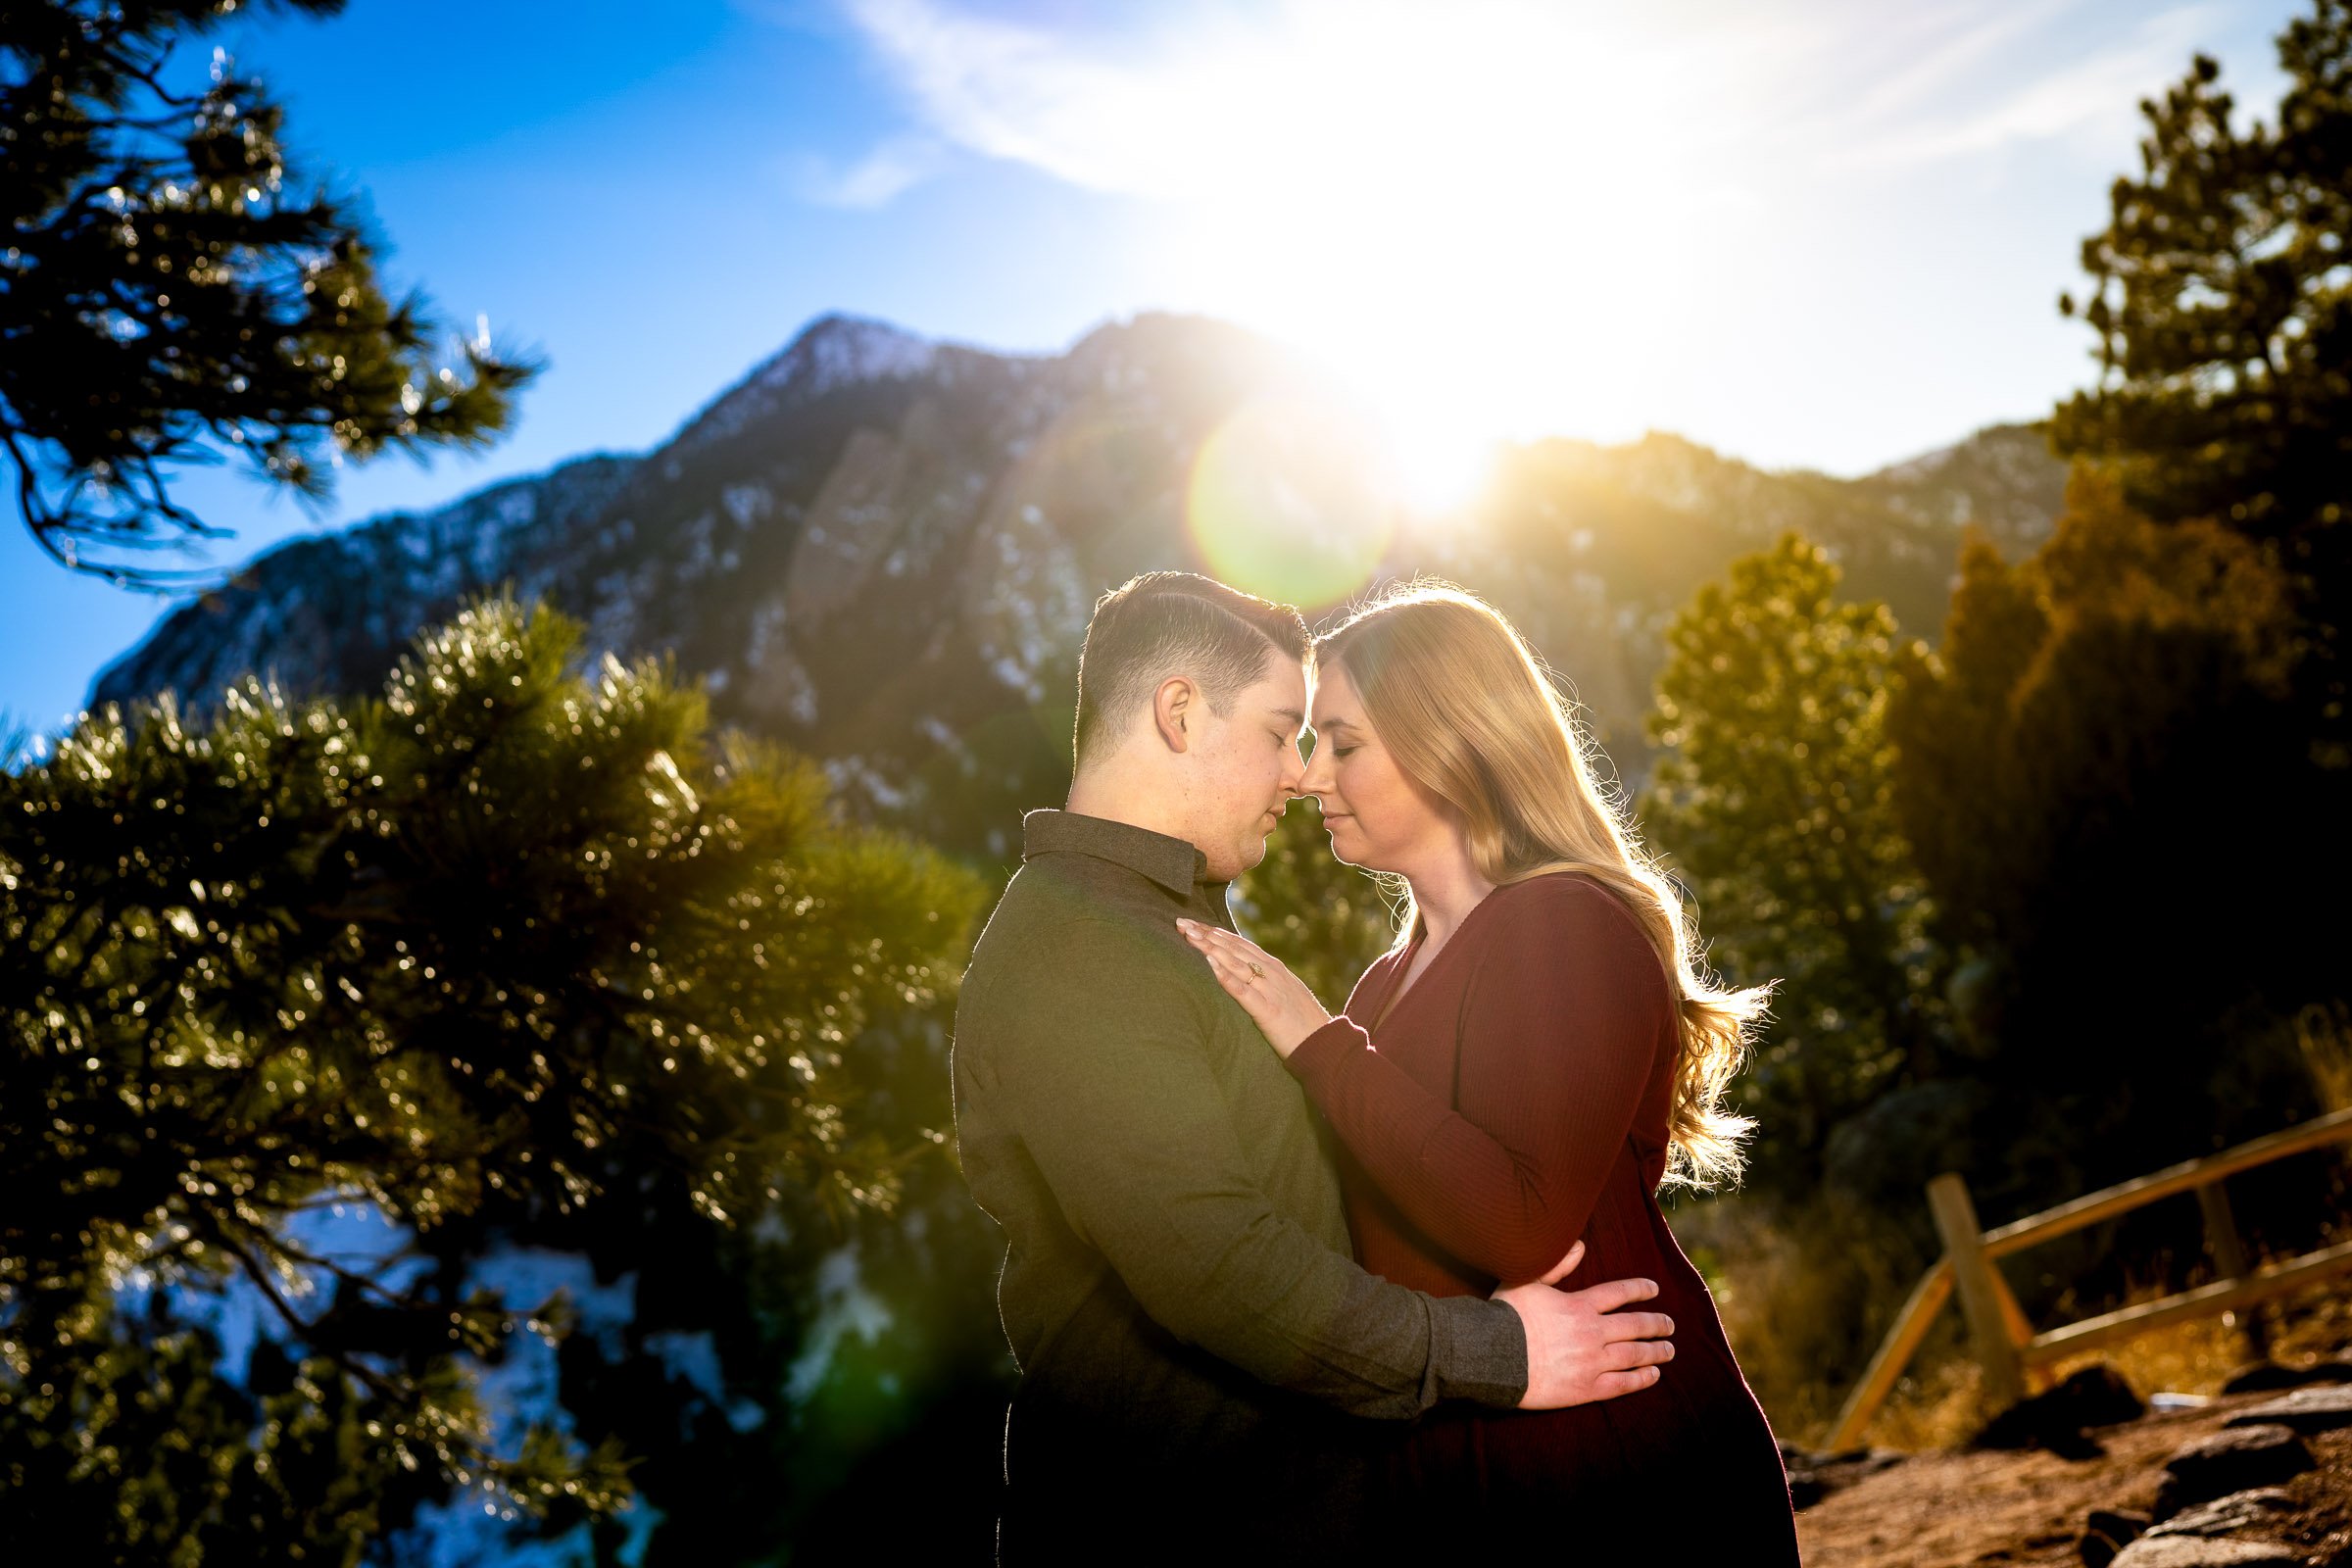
[(2220, 297), (170, 295), (1772, 798), (494, 943)]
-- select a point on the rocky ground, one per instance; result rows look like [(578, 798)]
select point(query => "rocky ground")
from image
[(2257, 1477)]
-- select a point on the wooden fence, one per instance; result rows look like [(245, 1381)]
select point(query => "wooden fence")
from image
[(2001, 1340)]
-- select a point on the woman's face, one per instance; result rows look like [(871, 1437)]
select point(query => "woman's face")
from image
[(1378, 818)]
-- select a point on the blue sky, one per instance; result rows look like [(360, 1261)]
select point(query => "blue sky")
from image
[(1824, 233)]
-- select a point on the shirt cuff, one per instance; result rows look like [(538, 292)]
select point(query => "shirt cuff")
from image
[(1314, 1060), (1477, 1351)]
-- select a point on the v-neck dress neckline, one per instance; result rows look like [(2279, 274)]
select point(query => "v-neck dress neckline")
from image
[(1392, 1000)]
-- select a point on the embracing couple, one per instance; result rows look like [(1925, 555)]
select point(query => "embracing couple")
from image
[(1284, 1286)]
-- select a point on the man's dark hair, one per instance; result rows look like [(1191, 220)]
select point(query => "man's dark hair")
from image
[(1165, 623)]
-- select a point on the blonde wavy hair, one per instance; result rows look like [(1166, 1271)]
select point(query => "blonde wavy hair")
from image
[(1471, 717)]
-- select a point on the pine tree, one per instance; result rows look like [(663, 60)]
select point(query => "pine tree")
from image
[(2222, 298), (1774, 801), (167, 297), (510, 941), (2110, 795)]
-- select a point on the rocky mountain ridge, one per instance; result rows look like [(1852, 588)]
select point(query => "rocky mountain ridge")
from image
[(881, 550)]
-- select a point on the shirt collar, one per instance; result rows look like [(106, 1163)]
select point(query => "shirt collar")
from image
[(1173, 863)]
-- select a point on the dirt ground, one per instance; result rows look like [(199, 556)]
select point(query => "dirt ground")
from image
[(1944, 1510)]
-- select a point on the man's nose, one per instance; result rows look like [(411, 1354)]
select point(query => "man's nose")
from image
[(1292, 771)]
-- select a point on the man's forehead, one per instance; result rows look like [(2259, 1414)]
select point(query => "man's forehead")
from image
[(1283, 686)]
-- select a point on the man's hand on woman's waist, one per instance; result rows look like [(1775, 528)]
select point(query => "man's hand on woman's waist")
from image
[(1580, 1345)]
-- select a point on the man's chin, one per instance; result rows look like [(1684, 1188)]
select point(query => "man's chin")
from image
[(1249, 856)]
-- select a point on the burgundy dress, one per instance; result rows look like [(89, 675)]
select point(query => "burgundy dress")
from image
[(1515, 1099)]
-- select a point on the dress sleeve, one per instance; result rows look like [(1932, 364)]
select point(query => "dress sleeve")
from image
[(1128, 1127), (1559, 1032)]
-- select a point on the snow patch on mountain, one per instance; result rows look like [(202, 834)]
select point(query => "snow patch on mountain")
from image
[(1030, 601), (831, 352)]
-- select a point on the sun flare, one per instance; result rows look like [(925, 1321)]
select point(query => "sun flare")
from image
[(1477, 224)]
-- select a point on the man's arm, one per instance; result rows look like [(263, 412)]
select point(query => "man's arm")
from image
[(1120, 1109)]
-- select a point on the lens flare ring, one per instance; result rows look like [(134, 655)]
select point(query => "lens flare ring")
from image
[(1291, 501)]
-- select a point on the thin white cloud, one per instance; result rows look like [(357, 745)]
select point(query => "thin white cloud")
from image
[(876, 179), (2093, 99), (1094, 112), (1933, 48), (1212, 94)]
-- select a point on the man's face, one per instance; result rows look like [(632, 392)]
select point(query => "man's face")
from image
[(1248, 768)]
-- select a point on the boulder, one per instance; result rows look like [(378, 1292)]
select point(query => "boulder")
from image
[(2194, 1551), (2056, 1418), (2231, 1459), (2264, 1377), (2261, 1377), (2319, 1408), (2227, 1516)]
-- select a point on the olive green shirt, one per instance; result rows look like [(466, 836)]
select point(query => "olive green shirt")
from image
[(1177, 1285)]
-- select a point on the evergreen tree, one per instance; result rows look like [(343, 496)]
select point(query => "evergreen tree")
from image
[(167, 297), (2223, 306), (1773, 798), (2224, 319), (2115, 807), (509, 942)]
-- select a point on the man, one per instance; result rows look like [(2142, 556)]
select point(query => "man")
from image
[(1203, 1368)]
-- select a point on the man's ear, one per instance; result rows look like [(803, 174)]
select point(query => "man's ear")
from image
[(1173, 708)]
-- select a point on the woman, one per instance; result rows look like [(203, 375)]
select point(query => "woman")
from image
[(1536, 1057)]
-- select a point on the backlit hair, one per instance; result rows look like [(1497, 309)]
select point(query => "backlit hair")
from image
[(1165, 623), (1461, 703)]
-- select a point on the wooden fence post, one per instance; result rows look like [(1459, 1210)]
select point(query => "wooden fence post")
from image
[(1911, 1326), (2229, 1262), (2019, 1328), (1979, 1295)]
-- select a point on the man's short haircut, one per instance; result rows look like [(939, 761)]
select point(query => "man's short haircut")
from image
[(1165, 623)]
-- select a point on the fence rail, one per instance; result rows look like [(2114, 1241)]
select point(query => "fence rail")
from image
[(2002, 1340)]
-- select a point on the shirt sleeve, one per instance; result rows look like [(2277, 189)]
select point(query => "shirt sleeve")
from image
[(1559, 1031), (1121, 1113)]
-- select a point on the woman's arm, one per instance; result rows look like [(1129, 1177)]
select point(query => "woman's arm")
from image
[(1559, 1034)]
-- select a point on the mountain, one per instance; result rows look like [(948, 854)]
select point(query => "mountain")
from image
[(2001, 480), (882, 550)]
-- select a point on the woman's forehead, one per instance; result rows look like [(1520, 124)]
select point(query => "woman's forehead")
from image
[(1334, 713)]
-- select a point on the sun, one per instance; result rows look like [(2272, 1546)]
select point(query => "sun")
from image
[(1439, 465), (1482, 230)]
